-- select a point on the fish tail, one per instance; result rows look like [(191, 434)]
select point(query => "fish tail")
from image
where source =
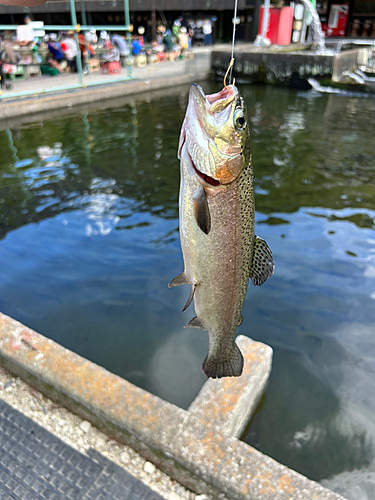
[(220, 365)]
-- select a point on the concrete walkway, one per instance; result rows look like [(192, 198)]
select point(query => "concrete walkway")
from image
[(198, 63), (36, 464), (165, 75), (48, 452)]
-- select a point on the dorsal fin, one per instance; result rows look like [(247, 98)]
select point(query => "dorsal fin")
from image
[(201, 210), (181, 279), (262, 265)]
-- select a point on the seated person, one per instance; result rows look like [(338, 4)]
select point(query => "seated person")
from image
[(56, 55), (7, 56), (121, 44), (136, 46), (70, 49), (25, 33)]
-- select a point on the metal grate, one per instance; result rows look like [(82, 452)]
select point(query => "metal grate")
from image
[(36, 465)]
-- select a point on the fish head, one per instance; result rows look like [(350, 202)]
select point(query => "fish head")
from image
[(216, 135)]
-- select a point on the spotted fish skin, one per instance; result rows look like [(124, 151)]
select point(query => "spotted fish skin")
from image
[(216, 203)]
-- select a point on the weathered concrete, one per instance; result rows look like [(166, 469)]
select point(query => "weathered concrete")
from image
[(228, 405), (345, 61), (179, 442), (277, 66)]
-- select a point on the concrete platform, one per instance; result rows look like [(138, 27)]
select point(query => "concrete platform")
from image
[(199, 448), (35, 464), (288, 65), (61, 92)]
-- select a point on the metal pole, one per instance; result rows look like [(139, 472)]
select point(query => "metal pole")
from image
[(153, 19), (128, 36), (78, 58), (265, 18), (261, 40), (83, 12)]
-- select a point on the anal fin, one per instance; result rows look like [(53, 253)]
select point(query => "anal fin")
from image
[(190, 297), (195, 323), (181, 279), (262, 265), (202, 211)]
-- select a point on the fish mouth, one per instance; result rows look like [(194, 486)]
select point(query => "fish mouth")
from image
[(205, 117), (216, 102)]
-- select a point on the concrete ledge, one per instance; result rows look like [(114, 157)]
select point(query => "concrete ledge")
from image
[(274, 66), (57, 100), (195, 447)]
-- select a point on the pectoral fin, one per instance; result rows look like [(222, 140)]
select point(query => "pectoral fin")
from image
[(190, 297), (201, 210), (262, 265)]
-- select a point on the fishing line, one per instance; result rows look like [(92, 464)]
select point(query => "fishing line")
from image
[(230, 67)]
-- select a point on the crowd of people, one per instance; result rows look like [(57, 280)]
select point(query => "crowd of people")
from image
[(174, 43), (62, 49)]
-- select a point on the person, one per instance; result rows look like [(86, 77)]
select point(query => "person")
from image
[(168, 42), (56, 55), (25, 33), (69, 47), (120, 43), (176, 27), (207, 31), (141, 32), (84, 49), (7, 56), (136, 46), (156, 52), (104, 40), (191, 27), (91, 37), (183, 39)]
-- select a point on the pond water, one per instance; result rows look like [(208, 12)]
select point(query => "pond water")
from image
[(89, 242)]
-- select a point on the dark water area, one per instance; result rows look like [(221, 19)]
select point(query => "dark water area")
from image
[(89, 242)]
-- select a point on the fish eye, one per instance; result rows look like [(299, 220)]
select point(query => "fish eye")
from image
[(239, 119)]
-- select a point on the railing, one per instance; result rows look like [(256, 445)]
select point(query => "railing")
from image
[(77, 28)]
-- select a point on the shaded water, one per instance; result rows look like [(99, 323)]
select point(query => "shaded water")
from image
[(89, 241)]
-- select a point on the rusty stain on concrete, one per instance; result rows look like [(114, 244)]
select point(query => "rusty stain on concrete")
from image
[(199, 448), (285, 484)]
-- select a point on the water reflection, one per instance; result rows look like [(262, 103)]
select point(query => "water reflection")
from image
[(89, 227)]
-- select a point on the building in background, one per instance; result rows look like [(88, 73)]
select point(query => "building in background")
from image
[(147, 13), (350, 18)]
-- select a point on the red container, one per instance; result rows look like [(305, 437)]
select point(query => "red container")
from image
[(338, 20), (111, 68), (279, 26)]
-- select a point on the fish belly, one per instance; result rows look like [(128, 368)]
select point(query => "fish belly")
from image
[(218, 262)]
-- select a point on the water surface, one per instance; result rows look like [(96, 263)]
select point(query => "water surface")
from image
[(89, 241)]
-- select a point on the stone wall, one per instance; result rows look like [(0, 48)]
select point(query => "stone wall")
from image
[(276, 67)]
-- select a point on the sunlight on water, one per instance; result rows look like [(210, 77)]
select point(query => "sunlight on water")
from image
[(89, 242)]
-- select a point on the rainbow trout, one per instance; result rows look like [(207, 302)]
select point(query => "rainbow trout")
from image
[(216, 205)]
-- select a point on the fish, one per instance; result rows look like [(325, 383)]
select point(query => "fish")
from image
[(216, 222)]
